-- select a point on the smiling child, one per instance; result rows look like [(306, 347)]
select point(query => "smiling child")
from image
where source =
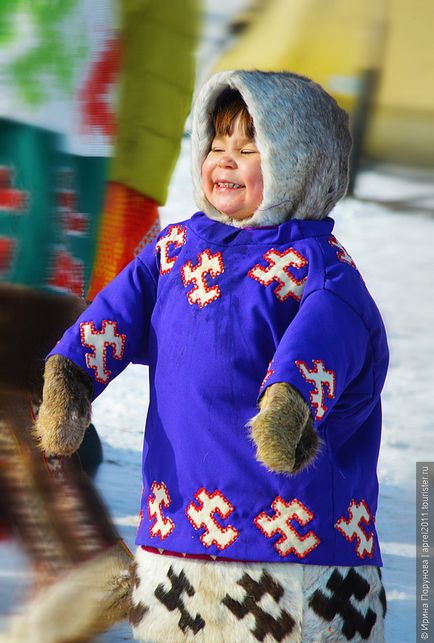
[(267, 357)]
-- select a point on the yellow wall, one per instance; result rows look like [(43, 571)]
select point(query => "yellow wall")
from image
[(332, 41)]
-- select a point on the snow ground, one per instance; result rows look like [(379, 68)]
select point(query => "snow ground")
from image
[(394, 251)]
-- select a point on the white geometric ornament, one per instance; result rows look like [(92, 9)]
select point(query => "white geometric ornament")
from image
[(203, 516), (279, 262), (175, 236), (162, 526), (341, 254), (352, 528), (201, 293), (99, 341), (321, 378), (291, 541)]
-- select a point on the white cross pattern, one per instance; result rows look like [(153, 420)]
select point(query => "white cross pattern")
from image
[(291, 541), (341, 254), (277, 271), (201, 293), (176, 236), (321, 378), (162, 526), (99, 341), (203, 516), (352, 528)]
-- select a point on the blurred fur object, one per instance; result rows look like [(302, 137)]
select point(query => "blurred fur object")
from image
[(30, 321), (48, 503), (98, 591)]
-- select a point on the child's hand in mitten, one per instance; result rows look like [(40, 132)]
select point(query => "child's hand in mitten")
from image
[(283, 430), (66, 408)]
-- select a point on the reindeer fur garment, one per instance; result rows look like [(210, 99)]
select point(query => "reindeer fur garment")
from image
[(302, 135), (176, 599)]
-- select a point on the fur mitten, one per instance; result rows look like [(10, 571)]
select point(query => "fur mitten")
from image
[(283, 430), (65, 412)]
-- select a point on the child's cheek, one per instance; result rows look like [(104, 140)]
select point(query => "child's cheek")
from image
[(206, 176)]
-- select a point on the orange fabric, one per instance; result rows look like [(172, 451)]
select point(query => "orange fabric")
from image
[(130, 221)]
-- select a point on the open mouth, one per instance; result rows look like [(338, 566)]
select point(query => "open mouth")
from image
[(225, 185)]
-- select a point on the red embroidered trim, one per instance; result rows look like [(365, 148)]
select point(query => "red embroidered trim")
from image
[(156, 512), (192, 511), (318, 391), (356, 530), (175, 236), (141, 508), (285, 529), (117, 354), (262, 275), (268, 374), (201, 293), (214, 559)]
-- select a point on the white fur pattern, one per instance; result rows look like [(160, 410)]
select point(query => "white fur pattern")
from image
[(179, 599)]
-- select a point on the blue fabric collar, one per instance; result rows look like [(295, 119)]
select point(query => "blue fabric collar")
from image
[(221, 234)]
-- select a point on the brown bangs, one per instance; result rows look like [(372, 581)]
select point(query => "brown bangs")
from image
[(228, 106)]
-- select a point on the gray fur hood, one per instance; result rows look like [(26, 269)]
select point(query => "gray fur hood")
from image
[(303, 138)]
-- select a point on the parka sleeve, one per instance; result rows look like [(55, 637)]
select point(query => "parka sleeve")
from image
[(322, 352), (113, 330)]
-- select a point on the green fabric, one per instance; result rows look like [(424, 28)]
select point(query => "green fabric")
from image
[(50, 63), (156, 90), (32, 164)]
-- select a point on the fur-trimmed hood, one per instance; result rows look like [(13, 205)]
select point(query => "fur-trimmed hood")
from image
[(301, 133)]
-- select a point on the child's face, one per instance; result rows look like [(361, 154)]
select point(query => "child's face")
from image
[(231, 174)]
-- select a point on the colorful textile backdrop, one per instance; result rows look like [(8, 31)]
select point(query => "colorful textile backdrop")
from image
[(94, 91)]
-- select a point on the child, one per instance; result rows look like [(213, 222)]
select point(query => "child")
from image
[(264, 532)]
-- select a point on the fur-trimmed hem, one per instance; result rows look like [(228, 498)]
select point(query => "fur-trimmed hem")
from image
[(184, 600)]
